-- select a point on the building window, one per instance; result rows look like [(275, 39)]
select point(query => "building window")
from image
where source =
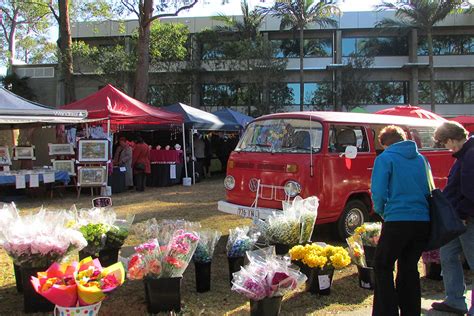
[(374, 46), (374, 93), (212, 51), (447, 92), (315, 93), (290, 48), (219, 95), (447, 45), (166, 94)]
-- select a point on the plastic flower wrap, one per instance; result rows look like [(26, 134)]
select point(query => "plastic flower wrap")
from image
[(318, 256), (8, 215), (32, 241), (369, 233), (57, 284), (431, 256), (266, 276), (146, 261), (240, 241), (163, 230), (94, 282), (205, 248), (283, 229), (83, 283), (118, 232), (356, 250), (179, 252)]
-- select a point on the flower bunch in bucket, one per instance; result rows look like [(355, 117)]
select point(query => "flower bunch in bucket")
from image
[(203, 258), (118, 232), (294, 225), (241, 239), (370, 235), (94, 224), (265, 280), (318, 262), (356, 250), (86, 284), (37, 240)]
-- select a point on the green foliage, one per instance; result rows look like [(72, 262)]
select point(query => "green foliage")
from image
[(168, 42), (19, 86)]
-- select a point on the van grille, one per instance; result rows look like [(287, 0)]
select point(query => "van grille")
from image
[(271, 167), (244, 165)]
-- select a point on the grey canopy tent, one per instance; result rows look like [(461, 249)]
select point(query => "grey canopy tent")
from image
[(233, 116), (196, 119), (16, 111)]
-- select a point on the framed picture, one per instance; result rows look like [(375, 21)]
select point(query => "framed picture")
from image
[(93, 150), (64, 165), (24, 153), (5, 156), (92, 176), (60, 149)]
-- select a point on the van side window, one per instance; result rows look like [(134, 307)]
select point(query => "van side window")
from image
[(341, 136), (423, 137)]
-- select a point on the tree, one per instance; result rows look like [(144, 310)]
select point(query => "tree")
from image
[(18, 18), (144, 11), (19, 86), (298, 14), (421, 15)]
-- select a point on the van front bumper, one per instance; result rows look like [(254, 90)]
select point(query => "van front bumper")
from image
[(245, 211)]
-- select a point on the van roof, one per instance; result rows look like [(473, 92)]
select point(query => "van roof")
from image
[(354, 118)]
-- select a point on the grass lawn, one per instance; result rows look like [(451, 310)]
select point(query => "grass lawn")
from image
[(197, 203)]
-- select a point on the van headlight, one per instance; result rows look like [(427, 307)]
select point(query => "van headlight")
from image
[(229, 182), (292, 188)]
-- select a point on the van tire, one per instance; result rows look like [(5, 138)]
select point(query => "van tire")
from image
[(354, 215)]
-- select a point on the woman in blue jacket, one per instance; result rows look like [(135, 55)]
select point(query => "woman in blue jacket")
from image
[(399, 192)]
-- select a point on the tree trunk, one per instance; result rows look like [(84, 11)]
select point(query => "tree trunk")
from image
[(143, 51), (431, 68), (65, 43), (301, 68), (12, 43)]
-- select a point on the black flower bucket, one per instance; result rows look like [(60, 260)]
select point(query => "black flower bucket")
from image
[(369, 252), (433, 271), (234, 266), (163, 294), (203, 276), (32, 301), (18, 281), (282, 249), (320, 281), (366, 277), (269, 306)]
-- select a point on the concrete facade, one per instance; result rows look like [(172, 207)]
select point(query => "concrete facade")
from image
[(452, 67)]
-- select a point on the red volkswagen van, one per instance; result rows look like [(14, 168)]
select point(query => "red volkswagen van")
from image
[(326, 154)]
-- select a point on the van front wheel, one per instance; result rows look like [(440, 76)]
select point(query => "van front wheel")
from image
[(354, 215)]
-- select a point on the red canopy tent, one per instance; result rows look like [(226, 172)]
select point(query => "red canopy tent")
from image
[(412, 111), (466, 121), (111, 104)]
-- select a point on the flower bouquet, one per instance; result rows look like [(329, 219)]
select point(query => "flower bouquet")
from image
[(370, 235), (203, 257), (319, 262), (294, 225), (94, 224), (162, 269), (78, 286), (240, 241), (365, 273), (265, 280), (432, 262)]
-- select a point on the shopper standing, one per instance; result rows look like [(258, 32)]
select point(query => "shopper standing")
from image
[(460, 192), (399, 193), (141, 163)]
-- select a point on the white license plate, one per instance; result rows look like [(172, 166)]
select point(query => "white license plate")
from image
[(246, 212)]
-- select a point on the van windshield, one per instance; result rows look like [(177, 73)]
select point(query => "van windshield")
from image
[(282, 136)]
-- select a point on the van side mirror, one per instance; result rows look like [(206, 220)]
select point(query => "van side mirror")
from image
[(350, 152)]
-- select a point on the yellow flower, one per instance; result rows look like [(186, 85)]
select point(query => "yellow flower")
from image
[(340, 260), (360, 230), (297, 252)]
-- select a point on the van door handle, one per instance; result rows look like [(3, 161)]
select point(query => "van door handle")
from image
[(370, 168)]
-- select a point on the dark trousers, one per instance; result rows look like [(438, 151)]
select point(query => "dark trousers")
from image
[(402, 241), (140, 180)]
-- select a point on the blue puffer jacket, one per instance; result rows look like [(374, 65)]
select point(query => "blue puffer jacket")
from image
[(400, 185), (460, 188)]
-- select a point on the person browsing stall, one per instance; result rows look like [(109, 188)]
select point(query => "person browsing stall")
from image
[(399, 188)]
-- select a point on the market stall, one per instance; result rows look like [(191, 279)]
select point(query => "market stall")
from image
[(118, 112), (195, 119), (17, 112), (233, 116)]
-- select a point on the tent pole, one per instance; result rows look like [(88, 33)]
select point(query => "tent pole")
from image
[(184, 151), (192, 154)]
